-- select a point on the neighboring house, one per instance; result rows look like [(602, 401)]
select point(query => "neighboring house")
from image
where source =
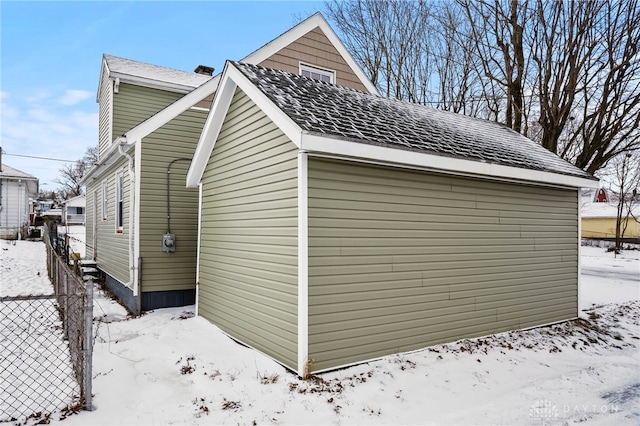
[(16, 187), (339, 226), (599, 221), (141, 220), (73, 210), (43, 205)]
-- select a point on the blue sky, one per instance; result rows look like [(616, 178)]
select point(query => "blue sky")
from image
[(50, 57)]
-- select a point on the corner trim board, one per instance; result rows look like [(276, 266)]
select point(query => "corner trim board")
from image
[(303, 264)]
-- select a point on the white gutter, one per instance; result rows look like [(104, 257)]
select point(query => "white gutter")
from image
[(107, 160), (332, 147)]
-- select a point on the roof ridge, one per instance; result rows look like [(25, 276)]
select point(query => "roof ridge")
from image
[(353, 115)]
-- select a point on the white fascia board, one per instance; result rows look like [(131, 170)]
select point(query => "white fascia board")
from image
[(108, 159), (151, 83), (282, 120), (104, 66), (172, 111), (398, 157), (231, 79), (316, 20), (211, 130)]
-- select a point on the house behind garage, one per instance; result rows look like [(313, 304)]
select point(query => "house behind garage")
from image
[(339, 226), (16, 189), (150, 119)]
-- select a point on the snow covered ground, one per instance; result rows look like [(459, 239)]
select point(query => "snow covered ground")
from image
[(169, 367)]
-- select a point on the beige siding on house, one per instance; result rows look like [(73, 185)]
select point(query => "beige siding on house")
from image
[(134, 104), (605, 227), (314, 48), (399, 260), (112, 248), (105, 99), (248, 264), (177, 139)]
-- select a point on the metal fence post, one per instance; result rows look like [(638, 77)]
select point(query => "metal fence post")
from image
[(88, 345), (65, 283)]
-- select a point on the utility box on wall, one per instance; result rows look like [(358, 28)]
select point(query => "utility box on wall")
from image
[(169, 243)]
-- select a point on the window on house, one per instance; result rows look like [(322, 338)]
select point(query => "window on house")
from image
[(119, 202), (328, 76), (104, 200)]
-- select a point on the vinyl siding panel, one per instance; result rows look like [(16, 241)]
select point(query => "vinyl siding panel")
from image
[(14, 206), (134, 104), (399, 260), (605, 228), (163, 271), (314, 48), (111, 248), (105, 97), (248, 264)]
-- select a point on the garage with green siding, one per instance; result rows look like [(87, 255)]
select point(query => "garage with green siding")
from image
[(401, 259), (412, 226)]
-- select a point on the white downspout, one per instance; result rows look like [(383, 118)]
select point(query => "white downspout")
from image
[(199, 246), (133, 283)]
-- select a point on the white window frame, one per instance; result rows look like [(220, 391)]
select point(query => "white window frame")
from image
[(119, 206), (317, 70), (104, 201)]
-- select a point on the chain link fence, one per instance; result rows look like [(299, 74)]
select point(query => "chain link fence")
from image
[(46, 345)]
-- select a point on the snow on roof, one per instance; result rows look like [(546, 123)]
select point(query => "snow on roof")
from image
[(122, 67), (79, 200), (604, 210), (327, 109), (10, 172)]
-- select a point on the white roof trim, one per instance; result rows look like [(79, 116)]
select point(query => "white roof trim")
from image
[(103, 67), (151, 83), (110, 157), (152, 124), (173, 110), (333, 146), (231, 79), (385, 155), (314, 21)]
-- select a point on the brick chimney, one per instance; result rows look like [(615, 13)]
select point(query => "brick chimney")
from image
[(204, 70)]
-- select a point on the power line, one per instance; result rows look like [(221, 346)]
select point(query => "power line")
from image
[(40, 158)]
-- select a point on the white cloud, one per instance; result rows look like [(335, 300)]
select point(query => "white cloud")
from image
[(33, 126), (73, 97)]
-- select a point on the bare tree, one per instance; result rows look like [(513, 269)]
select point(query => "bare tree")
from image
[(72, 174), (564, 73), (609, 121), (625, 176), (389, 40)]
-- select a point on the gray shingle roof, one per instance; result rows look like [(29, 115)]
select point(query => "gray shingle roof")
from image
[(330, 110), (152, 72)]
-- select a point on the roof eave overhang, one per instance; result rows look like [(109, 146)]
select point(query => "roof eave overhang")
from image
[(374, 154), (151, 83), (231, 79), (107, 160), (173, 110)]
